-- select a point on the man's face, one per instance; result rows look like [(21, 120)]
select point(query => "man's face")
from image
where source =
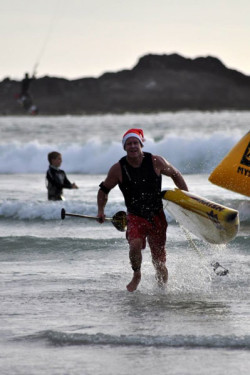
[(133, 147)]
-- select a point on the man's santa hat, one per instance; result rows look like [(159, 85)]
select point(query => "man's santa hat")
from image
[(137, 133)]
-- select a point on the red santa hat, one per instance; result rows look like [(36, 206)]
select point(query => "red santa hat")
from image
[(137, 133)]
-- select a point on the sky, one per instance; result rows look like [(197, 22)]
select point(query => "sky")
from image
[(86, 38)]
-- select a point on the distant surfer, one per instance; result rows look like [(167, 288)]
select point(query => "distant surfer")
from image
[(25, 97), (25, 85), (56, 178), (139, 176)]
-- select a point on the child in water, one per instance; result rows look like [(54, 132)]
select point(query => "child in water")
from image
[(56, 178)]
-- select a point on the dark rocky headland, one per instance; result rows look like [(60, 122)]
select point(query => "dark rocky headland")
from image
[(156, 83)]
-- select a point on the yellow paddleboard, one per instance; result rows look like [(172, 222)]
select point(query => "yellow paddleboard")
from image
[(233, 172), (207, 220)]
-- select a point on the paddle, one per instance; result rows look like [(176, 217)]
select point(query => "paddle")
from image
[(119, 220)]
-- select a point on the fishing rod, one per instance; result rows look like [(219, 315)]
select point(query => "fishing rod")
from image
[(119, 220)]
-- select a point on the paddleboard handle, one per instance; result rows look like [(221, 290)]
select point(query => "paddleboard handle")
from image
[(219, 269)]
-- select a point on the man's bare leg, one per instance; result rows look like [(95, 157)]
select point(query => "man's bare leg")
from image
[(161, 273), (135, 260), (159, 261), (132, 286)]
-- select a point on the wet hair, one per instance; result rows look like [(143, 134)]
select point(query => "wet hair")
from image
[(53, 155)]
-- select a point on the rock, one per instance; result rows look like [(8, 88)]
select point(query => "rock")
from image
[(156, 83)]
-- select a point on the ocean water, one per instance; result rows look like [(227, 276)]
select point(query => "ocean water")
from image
[(64, 306)]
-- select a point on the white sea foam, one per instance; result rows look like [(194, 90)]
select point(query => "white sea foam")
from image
[(190, 155)]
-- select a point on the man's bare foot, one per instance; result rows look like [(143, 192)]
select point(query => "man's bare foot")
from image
[(132, 286)]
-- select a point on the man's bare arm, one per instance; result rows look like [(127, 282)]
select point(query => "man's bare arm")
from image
[(109, 183), (164, 167), (178, 179)]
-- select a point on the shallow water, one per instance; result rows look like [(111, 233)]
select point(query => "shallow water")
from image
[(63, 301)]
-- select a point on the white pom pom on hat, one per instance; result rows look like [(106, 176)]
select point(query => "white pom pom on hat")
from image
[(137, 133)]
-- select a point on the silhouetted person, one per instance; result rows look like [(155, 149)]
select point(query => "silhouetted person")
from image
[(25, 85), (25, 98)]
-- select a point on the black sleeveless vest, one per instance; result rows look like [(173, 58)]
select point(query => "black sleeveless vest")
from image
[(141, 188)]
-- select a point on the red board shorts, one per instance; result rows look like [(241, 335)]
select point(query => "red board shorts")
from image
[(154, 231)]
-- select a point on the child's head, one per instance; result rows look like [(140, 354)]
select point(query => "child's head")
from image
[(55, 158)]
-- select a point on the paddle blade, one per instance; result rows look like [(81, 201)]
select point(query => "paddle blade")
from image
[(119, 221), (63, 213)]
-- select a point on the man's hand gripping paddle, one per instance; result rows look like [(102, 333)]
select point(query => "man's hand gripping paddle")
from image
[(119, 220)]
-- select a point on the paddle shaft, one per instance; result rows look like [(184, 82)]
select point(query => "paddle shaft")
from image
[(87, 216), (119, 220)]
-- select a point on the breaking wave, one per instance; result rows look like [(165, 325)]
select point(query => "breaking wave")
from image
[(191, 155)]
